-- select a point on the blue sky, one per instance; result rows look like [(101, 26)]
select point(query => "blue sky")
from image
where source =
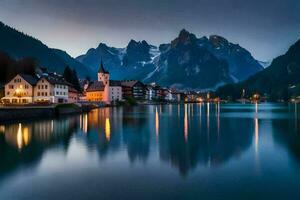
[(265, 27)]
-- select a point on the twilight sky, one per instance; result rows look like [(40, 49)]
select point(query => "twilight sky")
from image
[(265, 27)]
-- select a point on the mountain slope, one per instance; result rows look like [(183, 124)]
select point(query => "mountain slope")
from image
[(186, 62), (19, 45), (276, 80), (73, 63)]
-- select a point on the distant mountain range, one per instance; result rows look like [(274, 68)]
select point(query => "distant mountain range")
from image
[(185, 62), (19, 45), (280, 80)]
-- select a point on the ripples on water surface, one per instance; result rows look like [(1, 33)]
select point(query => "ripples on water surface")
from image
[(191, 151)]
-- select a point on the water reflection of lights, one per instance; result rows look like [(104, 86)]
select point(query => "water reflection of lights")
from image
[(84, 122), (107, 129), (170, 109), (200, 110), (23, 137), (256, 134), (256, 107), (2, 129), (19, 137), (186, 122), (156, 122), (207, 120), (218, 117)]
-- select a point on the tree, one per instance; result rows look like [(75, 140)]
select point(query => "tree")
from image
[(71, 77)]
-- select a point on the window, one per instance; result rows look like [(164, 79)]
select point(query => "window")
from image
[(46, 86), (26, 86), (46, 94), (42, 86), (11, 86), (7, 93), (56, 93), (42, 81)]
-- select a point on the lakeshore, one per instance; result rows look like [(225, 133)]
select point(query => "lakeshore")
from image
[(12, 113)]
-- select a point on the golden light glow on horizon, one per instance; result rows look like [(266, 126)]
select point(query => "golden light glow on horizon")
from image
[(107, 129)]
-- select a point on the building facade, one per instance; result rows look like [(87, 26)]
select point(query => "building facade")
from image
[(133, 89), (73, 95), (51, 88), (115, 91), (20, 90), (95, 92), (24, 89), (103, 76)]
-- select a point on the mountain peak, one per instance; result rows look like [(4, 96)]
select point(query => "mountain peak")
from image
[(183, 38), (217, 40), (102, 45), (183, 33)]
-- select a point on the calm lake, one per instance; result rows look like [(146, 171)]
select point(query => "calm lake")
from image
[(188, 151)]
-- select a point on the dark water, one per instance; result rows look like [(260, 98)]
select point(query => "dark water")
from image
[(193, 151)]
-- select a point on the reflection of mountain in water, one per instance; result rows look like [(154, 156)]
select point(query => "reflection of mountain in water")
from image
[(204, 139), (22, 145), (183, 135)]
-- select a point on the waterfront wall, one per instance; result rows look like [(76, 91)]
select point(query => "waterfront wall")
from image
[(37, 112), (9, 114)]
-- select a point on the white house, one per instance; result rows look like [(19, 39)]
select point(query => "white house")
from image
[(51, 88), (24, 89), (20, 89), (115, 91)]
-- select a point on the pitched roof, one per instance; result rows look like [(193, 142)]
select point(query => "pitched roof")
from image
[(71, 89), (55, 79), (29, 79), (95, 86), (101, 69), (114, 83), (129, 83)]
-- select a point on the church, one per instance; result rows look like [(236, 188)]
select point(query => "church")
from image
[(104, 90)]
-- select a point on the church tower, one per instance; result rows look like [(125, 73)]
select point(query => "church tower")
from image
[(103, 76)]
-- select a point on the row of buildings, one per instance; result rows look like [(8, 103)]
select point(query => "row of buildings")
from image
[(106, 90), (52, 88)]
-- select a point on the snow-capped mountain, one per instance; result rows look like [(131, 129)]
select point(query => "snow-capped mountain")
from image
[(185, 62)]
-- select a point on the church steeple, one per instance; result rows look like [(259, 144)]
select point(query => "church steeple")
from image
[(101, 69)]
